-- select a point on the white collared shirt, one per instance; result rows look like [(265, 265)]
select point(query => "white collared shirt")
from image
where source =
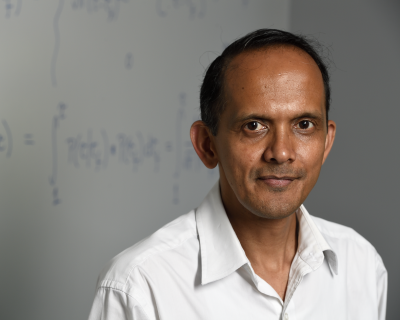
[(195, 268)]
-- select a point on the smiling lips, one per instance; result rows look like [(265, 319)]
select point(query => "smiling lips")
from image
[(277, 182)]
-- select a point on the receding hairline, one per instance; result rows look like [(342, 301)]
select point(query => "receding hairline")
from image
[(229, 60), (271, 47)]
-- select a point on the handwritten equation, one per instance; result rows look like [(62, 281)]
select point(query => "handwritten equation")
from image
[(95, 150), (6, 139)]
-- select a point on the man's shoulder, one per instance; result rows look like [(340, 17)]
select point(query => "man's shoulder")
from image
[(341, 237), (168, 238)]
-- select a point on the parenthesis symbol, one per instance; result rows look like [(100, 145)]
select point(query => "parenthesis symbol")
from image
[(9, 137)]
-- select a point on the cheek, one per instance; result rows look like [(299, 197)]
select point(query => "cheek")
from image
[(310, 154), (238, 159)]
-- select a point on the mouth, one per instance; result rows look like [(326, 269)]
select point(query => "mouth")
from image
[(276, 181)]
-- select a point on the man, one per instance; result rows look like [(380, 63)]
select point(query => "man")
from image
[(251, 250)]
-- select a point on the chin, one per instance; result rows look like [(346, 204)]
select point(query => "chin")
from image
[(272, 208)]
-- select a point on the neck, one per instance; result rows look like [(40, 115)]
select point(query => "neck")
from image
[(269, 244)]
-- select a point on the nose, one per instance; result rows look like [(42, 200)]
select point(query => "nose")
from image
[(279, 148)]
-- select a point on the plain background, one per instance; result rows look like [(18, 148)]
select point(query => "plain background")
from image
[(359, 183)]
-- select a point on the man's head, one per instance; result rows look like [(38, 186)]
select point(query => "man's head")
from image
[(264, 122)]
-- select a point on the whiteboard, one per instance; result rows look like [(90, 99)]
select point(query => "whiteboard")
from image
[(97, 98)]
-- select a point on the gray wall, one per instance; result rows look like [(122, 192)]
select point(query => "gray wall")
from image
[(359, 184)]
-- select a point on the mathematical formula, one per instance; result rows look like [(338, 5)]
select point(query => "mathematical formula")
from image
[(97, 150), (100, 149)]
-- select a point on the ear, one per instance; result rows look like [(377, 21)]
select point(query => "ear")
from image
[(202, 140), (330, 137)]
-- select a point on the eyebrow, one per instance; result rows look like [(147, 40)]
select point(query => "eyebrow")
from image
[(254, 116)]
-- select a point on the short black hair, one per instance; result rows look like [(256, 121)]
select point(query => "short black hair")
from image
[(211, 92)]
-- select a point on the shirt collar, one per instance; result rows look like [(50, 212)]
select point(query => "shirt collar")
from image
[(312, 247), (221, 252)]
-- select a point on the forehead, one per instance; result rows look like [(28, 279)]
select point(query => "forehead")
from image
[(277, 80)]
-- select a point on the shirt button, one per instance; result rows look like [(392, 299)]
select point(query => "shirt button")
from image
[(286, 316)]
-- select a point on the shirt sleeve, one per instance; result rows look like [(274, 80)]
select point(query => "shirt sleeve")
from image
[(382, 284), (113, 304)]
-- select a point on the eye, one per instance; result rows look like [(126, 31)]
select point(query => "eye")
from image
[(254, 126), (305, 124)]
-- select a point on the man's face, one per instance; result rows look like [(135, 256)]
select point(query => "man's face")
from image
[(271, 140)]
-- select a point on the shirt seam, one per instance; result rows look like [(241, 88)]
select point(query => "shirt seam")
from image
[(144, 259), (346, 237), (352, 234), (129, 295)]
